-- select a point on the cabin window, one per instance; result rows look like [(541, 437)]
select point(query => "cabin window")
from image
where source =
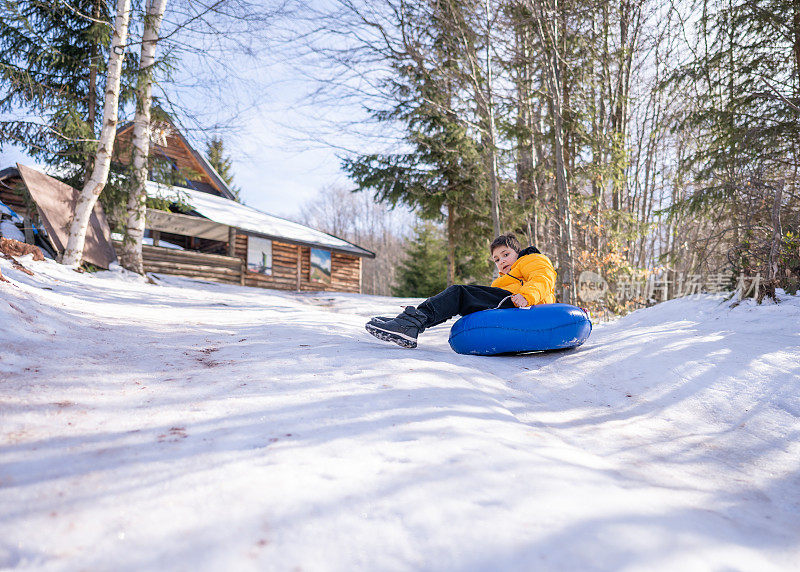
[(259, 255), (320, 266)]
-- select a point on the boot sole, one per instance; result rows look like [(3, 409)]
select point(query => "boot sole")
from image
[(387, 336)]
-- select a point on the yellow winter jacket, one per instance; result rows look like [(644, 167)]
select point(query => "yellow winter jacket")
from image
[(533, 276)]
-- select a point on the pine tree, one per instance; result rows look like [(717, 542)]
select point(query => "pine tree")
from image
[(53, 60), (423, 272), (51, 57), (746, 81), (745, 117), (442, 174), (215, 153)]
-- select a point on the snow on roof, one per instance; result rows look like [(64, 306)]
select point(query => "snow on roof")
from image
[(231, 213)]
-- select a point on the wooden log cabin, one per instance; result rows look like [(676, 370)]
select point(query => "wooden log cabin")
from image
[(200, 231), (226, 241), (220, 239)]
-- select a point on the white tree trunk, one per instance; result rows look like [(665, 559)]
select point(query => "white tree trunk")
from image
[(131, 257), (769, 285), (94, 186)]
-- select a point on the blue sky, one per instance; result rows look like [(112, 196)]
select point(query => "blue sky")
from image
[(276, 173), (273, 177), (283, 147)]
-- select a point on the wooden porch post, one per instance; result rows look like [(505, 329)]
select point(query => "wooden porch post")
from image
[(28, 228), (231, 241), (299, 265)]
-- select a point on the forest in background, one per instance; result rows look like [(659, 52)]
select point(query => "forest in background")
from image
[(650, 150)]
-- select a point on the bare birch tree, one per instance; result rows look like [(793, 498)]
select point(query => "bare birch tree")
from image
[(94, 186), (131, 256), (357, 218), (547, 27)]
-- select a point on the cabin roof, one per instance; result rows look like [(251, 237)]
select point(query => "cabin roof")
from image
[(219, 184), (253, 221)]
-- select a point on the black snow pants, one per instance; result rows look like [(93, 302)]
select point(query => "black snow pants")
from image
[(462, 300)]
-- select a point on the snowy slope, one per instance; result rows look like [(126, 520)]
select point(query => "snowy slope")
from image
[(193, 426)]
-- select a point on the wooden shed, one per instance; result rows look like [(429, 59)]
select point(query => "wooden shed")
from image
[(39, 208), (207, 234)]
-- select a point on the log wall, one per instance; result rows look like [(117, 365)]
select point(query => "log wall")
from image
[(213, 267), (13, 198), (346, 273), (345, 269)]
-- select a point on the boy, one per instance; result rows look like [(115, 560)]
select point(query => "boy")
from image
[(526, 278)]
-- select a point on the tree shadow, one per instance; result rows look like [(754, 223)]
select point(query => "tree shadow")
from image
[(280, 403)]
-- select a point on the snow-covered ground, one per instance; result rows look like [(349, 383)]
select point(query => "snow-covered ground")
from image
[(193, 426)]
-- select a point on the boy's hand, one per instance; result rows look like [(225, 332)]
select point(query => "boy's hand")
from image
[(519, 301)]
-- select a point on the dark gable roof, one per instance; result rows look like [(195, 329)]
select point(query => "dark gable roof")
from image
[(208, 170), (204, 188), (9, 173)]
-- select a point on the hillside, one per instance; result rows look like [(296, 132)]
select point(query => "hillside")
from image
[(191, 426)]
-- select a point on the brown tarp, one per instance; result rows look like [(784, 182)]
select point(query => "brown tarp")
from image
[(56, 203)]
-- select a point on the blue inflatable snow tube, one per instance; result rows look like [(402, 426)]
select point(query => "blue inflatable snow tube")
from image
[(516, 330)]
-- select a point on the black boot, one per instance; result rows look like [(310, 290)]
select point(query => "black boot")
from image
[(402, 330)]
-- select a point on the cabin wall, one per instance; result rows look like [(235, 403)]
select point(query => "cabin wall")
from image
[(213, 267), (345, 269), (13, 197), (346, 273)]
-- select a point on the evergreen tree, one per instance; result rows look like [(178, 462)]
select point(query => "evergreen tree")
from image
[(215, 153), (52, 58), (746, 81), (423, 273), (745, 116), (442, 174)]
